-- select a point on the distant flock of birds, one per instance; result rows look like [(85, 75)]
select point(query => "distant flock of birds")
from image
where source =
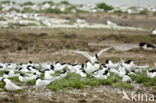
[(30, 71)]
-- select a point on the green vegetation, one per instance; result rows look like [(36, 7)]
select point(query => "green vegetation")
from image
[(42, 76), (14, 79), (50, 10), (2, 73), (20, 91), (32, 89), (104, 6), (124, 85), (48, 2), (154, 87), (144, 79), (5, 2), (27, 3), (2, 85), (27, 10), (1, 8), (31, 82), (14, 9), (65, 2), (118, 11), (143, 12), (75, 81), (132, 8), (72, 81)]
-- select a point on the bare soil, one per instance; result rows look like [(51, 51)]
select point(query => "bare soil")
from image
[(147, 21)]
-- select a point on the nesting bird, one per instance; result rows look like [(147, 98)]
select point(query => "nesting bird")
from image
[(42, 83), (10, 86), (146, 46), (22, 78), (151, 73)]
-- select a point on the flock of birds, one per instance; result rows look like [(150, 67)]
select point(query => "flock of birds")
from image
[(30, 71)]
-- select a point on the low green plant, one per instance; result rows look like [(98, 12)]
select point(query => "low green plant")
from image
[(2, 85), (154, 87), (124, 85), (50, 10), (27, 3), (31, 82), (2, 73), (144, 79), (48, 2), (104, 6), (14, 79), (143, 12)]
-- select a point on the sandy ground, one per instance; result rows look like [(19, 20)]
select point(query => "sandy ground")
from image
[(147, 21), (51, 45)]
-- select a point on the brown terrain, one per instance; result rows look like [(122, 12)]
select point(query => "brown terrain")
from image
[(51, 45)]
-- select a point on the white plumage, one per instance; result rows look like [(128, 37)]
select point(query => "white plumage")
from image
[(94, 58), (10, 86)]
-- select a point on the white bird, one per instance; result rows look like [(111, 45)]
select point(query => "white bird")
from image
[(155, 65), (110, 64), (102, 75), (111, 24), (94, 58), (89, 67), (58, 66), (82, 72), (151, 73), (10, 74), (42, 83), (25, 79), (154, 32), (47, 75), (126, 78), (10, 86)]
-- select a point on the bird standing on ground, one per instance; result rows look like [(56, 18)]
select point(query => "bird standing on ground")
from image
[(42, 83)]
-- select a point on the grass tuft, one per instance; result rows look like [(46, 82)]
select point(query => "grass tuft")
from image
[(31, 82), (14, 79), (144, 79), (124, 85)]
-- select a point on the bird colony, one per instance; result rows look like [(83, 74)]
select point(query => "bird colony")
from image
[(34, 71), (31, 15)]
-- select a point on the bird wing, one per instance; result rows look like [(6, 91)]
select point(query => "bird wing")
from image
[(84, 54), (102, 51)]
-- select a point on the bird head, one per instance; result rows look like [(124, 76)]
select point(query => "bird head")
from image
[(51, 67), (38, 78), (6, 72), (141, 44), (21, 74)]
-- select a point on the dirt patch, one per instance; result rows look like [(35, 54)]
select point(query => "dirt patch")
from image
[(44, 45), (147, 21)]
